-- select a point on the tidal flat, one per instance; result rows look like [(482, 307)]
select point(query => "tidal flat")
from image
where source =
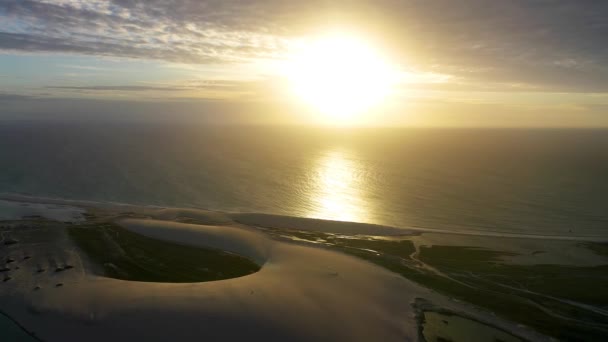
[(568, 302)]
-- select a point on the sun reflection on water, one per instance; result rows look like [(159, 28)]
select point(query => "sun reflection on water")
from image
[(338, 185)]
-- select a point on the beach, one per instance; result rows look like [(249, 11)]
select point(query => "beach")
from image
[(306, 288)]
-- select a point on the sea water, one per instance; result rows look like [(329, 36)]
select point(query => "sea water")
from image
[(529, 181)]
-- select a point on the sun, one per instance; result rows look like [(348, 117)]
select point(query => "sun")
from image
[(340, 77)]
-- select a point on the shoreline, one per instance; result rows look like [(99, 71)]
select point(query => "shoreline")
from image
[(266, 220), (324, 268)]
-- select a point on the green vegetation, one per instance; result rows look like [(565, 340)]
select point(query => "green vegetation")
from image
[(542, 296), (449, 327), (365, 244), (555, 300), (129, 256), (601, 248), (580, 284)]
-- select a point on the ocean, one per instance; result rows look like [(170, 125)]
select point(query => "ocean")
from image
[(525, 181)]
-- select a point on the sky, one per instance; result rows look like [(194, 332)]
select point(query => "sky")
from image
[(469, 63)]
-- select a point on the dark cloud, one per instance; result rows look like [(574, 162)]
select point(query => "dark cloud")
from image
[(548, 44), (228, 86), (4, 97), (553, 44), (117, 88), (34, 43)]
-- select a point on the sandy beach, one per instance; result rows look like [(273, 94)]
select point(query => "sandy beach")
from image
[(302, 292)]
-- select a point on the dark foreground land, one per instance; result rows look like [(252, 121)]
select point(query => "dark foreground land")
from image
[(565, 301), (125, 255)]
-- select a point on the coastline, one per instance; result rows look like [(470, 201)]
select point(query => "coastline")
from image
[(304, 223), (356, 271)]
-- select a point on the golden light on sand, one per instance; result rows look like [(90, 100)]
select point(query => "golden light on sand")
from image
[(340, 77)]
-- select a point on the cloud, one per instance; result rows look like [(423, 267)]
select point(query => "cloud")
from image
[(6, 97), (151, 30), (510, 42), (556, 45), (190, 86), (117, 88)]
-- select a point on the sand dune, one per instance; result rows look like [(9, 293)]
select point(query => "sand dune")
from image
[(249, 243), (300, 223), (301, 293)]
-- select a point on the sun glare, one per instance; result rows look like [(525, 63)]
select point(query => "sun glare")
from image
[(340, 77)]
